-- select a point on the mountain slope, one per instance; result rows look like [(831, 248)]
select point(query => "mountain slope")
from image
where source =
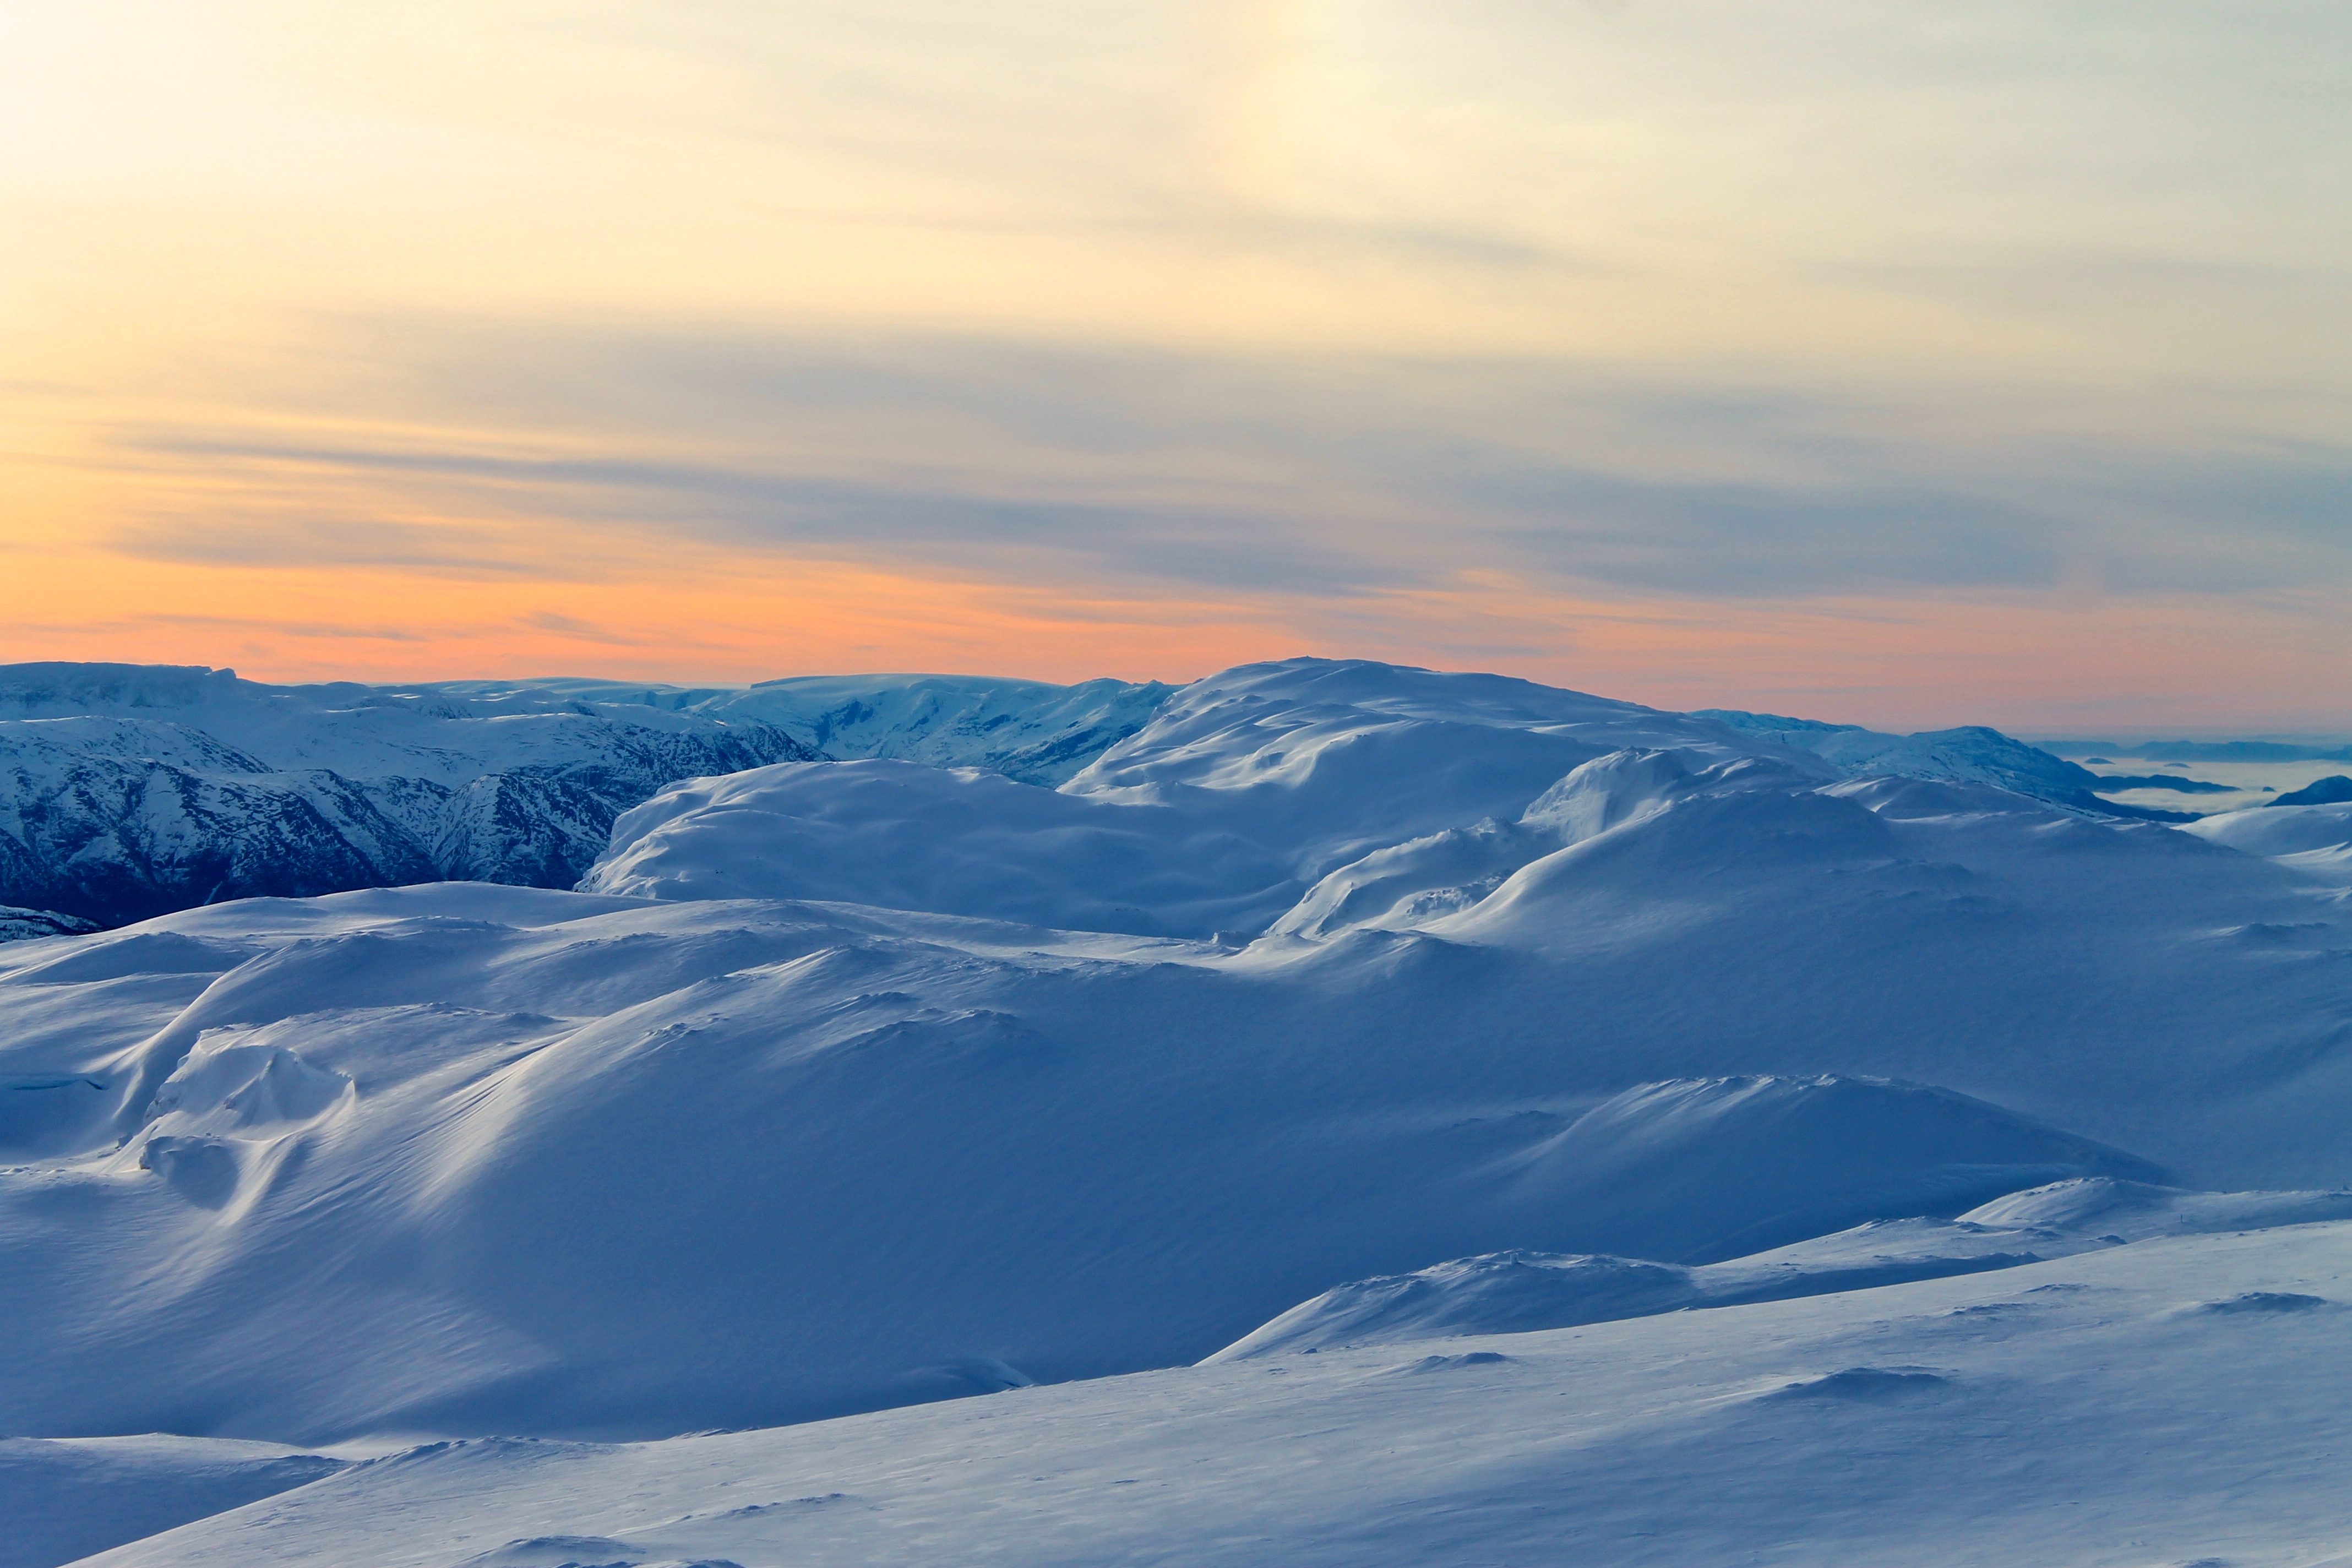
[(2171, 1402), (64, 1500), (1241, 792), (1025, 729)]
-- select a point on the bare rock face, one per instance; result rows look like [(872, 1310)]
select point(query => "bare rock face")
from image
[(28, 925)]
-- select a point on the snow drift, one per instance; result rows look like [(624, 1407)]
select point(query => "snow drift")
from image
[(1518, 1292), (2279, 829)]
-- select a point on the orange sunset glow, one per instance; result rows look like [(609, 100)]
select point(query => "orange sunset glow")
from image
[(1882, 363)]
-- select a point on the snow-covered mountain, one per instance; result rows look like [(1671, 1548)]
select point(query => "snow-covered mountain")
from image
[(127, 791), (1025, 729), (2336, 789), (1338, 1004), (1243, 793), (1969, 755), (21, 925), (2314, 839)]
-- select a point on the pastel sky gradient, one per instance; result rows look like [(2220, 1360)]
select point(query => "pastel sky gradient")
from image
[(1890, 361)]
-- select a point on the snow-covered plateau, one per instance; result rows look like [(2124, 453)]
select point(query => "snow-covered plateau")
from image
[(1558, 1130)]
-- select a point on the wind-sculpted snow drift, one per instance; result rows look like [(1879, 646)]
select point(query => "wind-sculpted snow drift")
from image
[(849, 1086), (1518, 1292), (2314, 839)]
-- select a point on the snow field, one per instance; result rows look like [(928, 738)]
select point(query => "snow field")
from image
[(62, 1499), (2174, 1401)]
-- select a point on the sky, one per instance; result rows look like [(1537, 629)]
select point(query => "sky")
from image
[(1891, 362)]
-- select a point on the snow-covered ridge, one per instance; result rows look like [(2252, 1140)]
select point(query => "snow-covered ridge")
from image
[(2314, 839), (1309, 797), (1243, 793), (1516, 1293), (1972, 753), (1027, 730), (127, 791)]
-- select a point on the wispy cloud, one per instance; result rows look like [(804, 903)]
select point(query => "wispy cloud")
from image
[(1674, 344), (573, 628), (308, 630), (1326, 476), (436, 549)]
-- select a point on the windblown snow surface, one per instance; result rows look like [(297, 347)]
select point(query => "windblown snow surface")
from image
[(1828, 1169), (2316, 840)]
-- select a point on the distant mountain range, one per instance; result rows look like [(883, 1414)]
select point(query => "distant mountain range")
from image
[(2204, 751), (128, 791)]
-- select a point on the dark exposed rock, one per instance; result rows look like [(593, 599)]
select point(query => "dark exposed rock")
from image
[(2333, 790)]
